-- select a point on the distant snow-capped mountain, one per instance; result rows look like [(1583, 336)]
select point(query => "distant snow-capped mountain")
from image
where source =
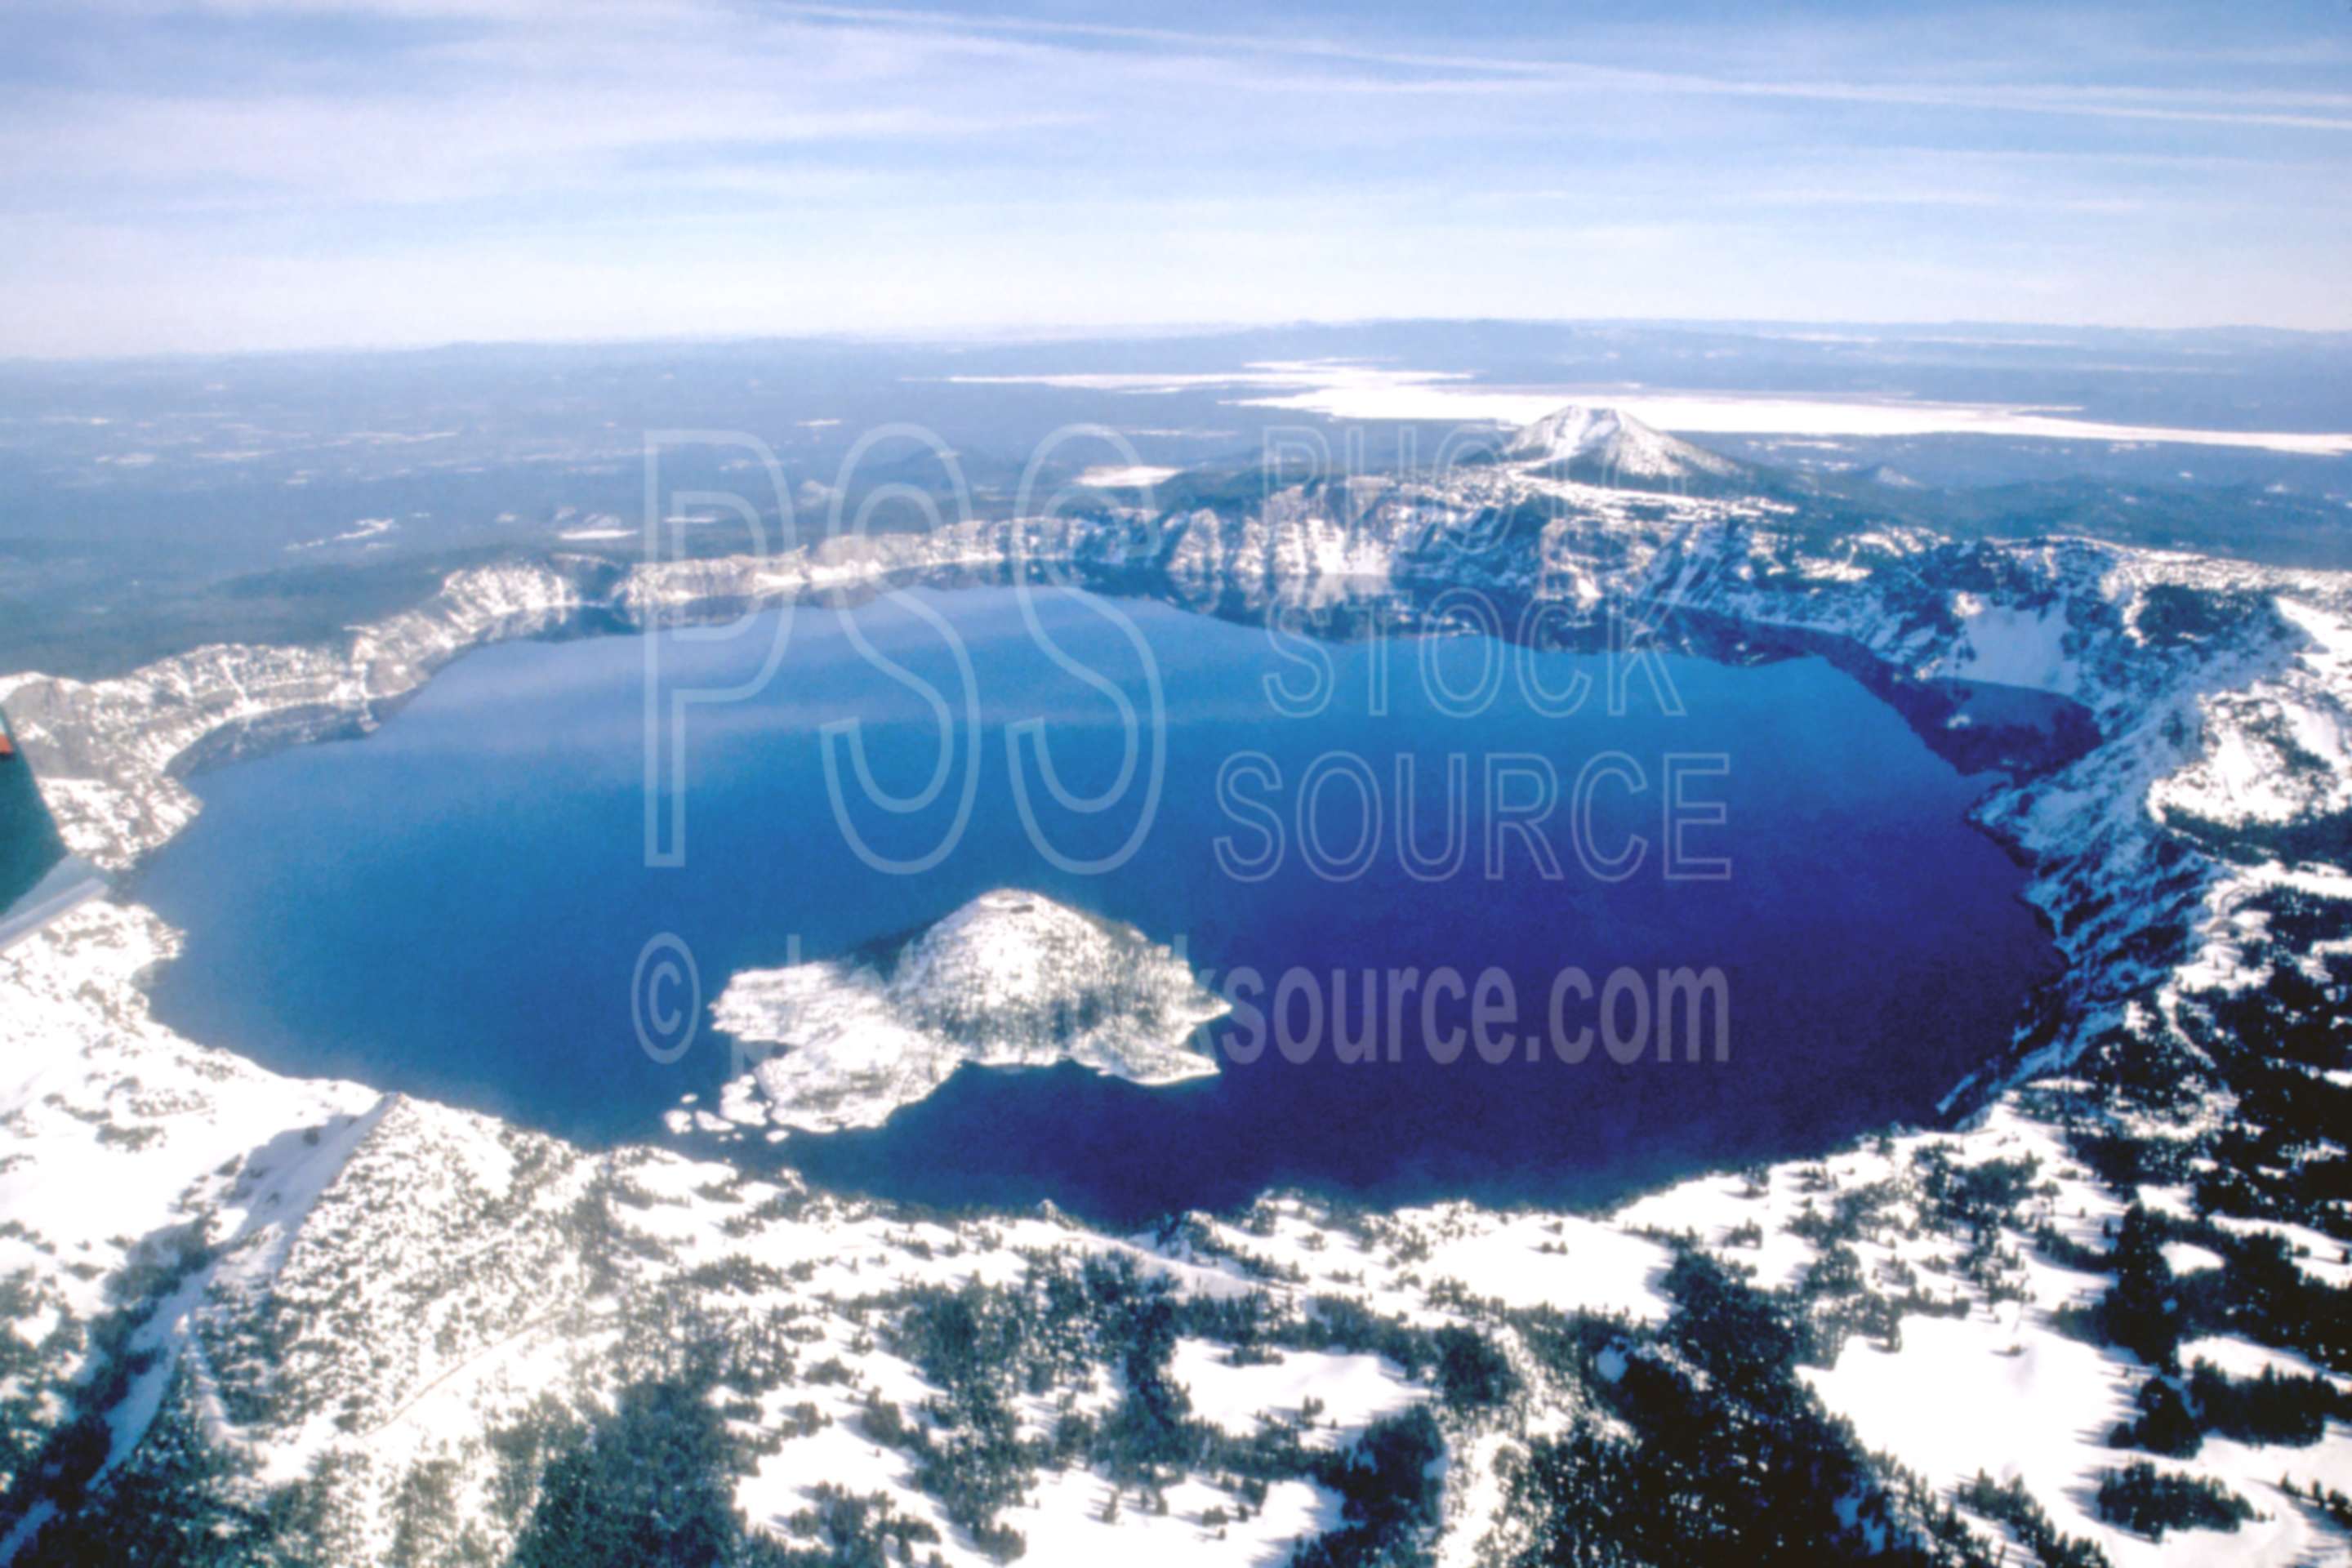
[(1583, 441)]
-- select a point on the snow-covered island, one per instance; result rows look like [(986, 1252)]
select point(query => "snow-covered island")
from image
[(1012, 979)]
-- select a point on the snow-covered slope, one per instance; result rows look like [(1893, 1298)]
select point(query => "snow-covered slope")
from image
[(354, 1328), (110, 752), (1607, 445)]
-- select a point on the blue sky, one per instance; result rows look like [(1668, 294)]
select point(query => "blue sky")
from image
[(273, 173)]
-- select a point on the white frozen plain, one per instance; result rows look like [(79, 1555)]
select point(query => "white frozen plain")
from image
[(1349, 390)]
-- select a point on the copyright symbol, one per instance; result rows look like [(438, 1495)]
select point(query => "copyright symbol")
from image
[(666, 998)]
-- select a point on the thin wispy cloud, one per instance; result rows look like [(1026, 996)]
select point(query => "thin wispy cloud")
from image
[(266, 173), (2327, 111)]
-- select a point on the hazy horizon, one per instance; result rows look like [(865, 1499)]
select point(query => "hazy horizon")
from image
[(1047, 333)]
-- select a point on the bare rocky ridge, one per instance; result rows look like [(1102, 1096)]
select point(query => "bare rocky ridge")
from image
[(289, 1321)]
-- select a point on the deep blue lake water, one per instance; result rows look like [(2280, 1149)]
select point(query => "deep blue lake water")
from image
[(456, 905)]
